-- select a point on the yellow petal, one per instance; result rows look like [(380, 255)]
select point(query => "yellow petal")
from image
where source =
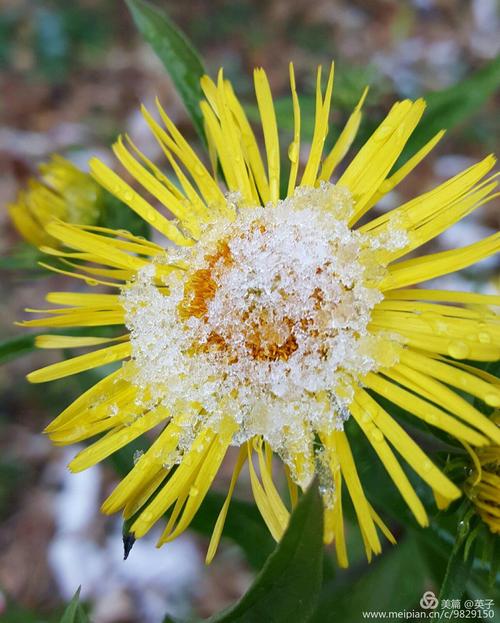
[(74, 365), (377, 441), (270, 129), (221, 519), (116, 186), (356, 492), (408, 449)]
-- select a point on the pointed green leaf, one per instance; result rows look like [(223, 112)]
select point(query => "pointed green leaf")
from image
[(14, 347), (457, 571), (393, 581), (449, 107), (287, 588), (494, 559), (175, 51), (74, 612), (23, 257)]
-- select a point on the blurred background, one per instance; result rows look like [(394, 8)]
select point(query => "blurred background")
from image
[(73, 76)]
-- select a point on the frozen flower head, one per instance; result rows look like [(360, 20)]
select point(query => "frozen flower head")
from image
[(61, 191), (274, 324)]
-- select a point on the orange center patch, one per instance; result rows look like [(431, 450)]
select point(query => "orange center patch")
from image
[(265, 340)]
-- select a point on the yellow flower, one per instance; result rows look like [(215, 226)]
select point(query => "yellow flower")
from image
[(483, 485), (265, 323), (61, 192)]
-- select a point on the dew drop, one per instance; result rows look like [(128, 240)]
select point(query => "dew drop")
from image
[(472, 494), (366, 417), (458, 349), (427, 466), (137, 456), (293, 152), (435, 321), (484, 337), (377, 435), (194, 491), (493, 400), (383, 132), (432, 418), (91, 282), (441, 327), (463, 528)]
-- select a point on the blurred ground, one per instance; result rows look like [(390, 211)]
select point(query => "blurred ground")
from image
[(73, 77)]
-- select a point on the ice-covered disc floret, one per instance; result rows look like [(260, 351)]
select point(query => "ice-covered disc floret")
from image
[(267, 324)]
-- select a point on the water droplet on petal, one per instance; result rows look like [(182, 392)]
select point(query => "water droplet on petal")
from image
[(493, 400), (432, 418), (377, 435), (458, 349), (383, 131), (484, 337), (293, 152), (427, 465), (137, 456), (441, 327)]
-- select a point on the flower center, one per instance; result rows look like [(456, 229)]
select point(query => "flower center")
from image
[(269, 324)]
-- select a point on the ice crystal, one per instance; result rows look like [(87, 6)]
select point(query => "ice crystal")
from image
[(268, 325)]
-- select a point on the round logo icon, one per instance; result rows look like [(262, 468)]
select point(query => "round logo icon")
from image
[(429, 601)]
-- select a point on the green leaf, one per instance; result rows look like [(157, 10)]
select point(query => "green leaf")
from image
[(74, 613), (394, 581), (449, 107), (24, 257), (494, 558), (15, 347), (287, 588), (15, 613), (175, 51), (457, 571)]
